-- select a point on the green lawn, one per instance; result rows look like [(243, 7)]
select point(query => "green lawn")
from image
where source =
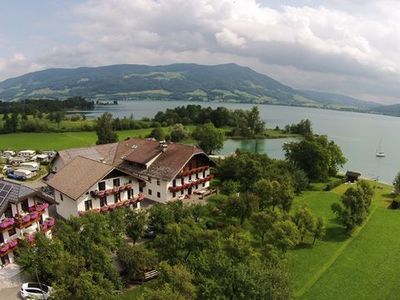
[(59, 141), (343, 267)]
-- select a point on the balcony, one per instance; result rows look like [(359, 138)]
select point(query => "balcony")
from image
[(187, 185), (38, 207), (28, 219), (47, 224), (112, 206), (114, 190), (7, 224), (184, 173), (8, 247)]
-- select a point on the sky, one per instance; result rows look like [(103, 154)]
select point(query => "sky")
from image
[(350, 47)]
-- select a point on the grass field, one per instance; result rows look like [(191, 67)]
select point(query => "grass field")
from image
[(361, 266), (64, 140)]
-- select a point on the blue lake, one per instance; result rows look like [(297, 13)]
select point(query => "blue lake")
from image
[(357, 134)]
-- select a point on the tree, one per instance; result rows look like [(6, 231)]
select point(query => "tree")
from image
[(317, 156), (136, 222), (135, 260), (230, 187), (355, 205), (396, 184), (157, 133), (176, 282), (305, 222), (104, 129), (210, 139), (242, 206), (273, 194), (285, 235), (319, 230), (178, 133)]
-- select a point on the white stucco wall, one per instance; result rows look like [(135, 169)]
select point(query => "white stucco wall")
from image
[(66, 207), (187, 180)]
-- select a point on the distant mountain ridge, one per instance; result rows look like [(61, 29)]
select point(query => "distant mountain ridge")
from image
[(190, 82)]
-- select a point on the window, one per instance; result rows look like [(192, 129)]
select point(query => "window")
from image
[(12, 231), (103, 201), (190, 177), (88, 205), (102, 185), (197, 175), (149, 178), (130, 181), (8, 213), (204, 184), (116, 182), (25, 205), (173, 195), (140, 189), (130, 194), (204, 174), (117, 197), (174, 183), (1, 238), (182, 192), (158, 182), (61, 197), (158, 195), (150, 191), (182, 180)]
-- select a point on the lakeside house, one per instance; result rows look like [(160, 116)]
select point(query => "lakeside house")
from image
[(103, 177), (23, 211)]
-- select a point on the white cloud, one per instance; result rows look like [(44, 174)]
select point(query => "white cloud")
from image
[(329, 44)]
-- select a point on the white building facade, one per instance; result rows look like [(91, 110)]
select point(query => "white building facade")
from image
[(24, 212)]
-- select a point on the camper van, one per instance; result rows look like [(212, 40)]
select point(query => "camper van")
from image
[(26, 153), (30, 166), (24, 173)]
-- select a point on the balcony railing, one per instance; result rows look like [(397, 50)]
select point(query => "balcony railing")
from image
[(112, 206), (114, 190), (7, 224), (47, 224), (8, 247), (184, 173), (38, 207), (28, 219), (190, 184)]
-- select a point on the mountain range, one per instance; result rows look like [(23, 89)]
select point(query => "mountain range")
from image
[(189, 82)]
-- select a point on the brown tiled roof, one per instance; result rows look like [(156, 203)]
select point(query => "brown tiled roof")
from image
[(139, 151), (78, 176), (168, 163), (105, 153)]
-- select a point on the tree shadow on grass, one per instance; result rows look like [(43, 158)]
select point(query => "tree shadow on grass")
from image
[(303, 246), (335, 234)]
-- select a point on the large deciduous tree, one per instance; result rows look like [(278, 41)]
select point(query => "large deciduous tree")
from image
[(355, 206), (210, 139), (104, 129)]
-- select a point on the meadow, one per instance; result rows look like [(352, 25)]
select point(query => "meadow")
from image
[(360, 266), (76, 139)]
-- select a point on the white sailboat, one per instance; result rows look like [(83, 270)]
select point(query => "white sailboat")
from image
[(379, 152)]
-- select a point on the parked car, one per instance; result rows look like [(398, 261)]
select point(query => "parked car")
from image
[(34, 290), (6, 168), (12, 175)]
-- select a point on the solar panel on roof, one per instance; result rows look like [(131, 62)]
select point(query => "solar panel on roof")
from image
[(4, 191)]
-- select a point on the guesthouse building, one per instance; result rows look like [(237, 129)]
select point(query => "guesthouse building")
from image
[(107, 176), (23, 211)]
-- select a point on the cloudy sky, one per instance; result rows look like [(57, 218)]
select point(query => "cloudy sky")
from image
[(349, 47)]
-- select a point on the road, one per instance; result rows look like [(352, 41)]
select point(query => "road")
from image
[(10, 293)]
